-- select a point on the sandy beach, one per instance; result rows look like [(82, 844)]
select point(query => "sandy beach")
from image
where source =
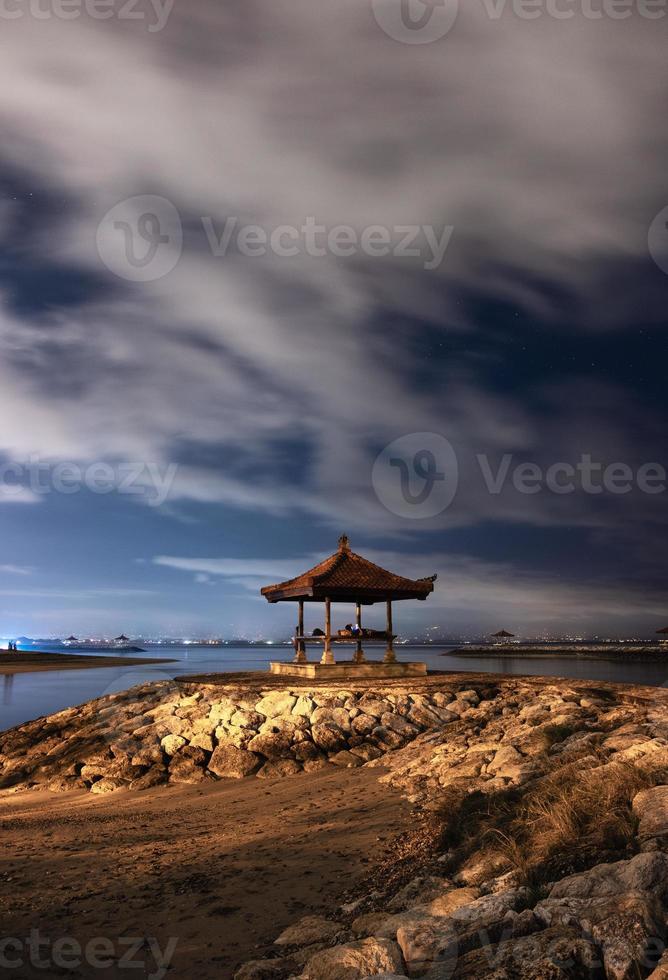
[(221, 867), (27, 663)]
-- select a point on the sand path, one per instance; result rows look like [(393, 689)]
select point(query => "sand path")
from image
[(222, 868)]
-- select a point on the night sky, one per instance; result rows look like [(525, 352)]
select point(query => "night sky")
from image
[(265, 388)]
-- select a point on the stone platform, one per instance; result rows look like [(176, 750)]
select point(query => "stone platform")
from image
[(348, 670)]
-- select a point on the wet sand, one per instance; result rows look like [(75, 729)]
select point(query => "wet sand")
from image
[(222, 868), (26, 663)]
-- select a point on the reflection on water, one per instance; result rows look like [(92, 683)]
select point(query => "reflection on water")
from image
[(7, 685), (26, 696)]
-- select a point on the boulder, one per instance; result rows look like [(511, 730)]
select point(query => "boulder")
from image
[(200, 740), (156, 776), (369, 924), (272, 745), (247, 719), (188, 765), (628, 929), (229, 762), (469, 695), (172, 743), (276, 703), (366, 751), (353, 961), (346, 760), (334, 716), (399, 724), (222, 710), (108, 785), (553, 954), (310, 929), (306, 750), (304, 707), (314, 765), (149, 756), (651, 808), (507, 758), (265, 970), (643, 873), (372, 706), (428, 944), (387, 737), (277, 768), (363, 724), (328, 736)]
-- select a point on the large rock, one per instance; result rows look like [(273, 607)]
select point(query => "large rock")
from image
[(247, 719), (278, 768), (629, 929), (353, 961), (108, 785), (506, 759), (329, 737), (644, 873), (272, 745), (156, 776), (310, 929), (553, 954), (363, 724), (265, 970), (188, 765), (651, 808), (229, 762), (172, 743), (276, 703), (428, 944)]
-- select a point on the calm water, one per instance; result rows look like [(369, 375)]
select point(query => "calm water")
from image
[(26, 696)]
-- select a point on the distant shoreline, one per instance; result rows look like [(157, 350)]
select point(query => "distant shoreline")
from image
[(603, 651), (35, 660)]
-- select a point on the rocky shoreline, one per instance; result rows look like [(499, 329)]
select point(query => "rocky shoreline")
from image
[(540, 806)]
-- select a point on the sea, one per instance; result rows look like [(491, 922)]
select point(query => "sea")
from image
[(24, 696)]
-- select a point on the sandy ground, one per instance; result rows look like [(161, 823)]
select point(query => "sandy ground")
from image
[(27, 663), (220, 868)]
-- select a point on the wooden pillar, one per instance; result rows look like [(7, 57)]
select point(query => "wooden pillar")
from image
[(327, 655), (300, 646), (390, 656), (359, 657)]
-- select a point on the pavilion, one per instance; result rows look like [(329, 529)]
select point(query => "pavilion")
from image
[(350, 578)]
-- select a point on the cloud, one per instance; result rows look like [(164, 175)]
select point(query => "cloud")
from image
[(537, 140), (470, 594)]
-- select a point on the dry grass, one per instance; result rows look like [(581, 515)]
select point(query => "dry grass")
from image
[(567, 821)]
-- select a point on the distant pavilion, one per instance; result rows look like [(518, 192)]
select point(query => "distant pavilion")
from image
[(347, 577)]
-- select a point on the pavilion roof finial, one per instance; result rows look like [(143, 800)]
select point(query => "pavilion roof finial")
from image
[(344, 543)]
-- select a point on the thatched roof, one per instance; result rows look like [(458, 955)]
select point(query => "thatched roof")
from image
[(503, 633), (348, 577)]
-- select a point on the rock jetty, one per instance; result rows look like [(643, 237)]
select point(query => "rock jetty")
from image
[(541, 812)]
